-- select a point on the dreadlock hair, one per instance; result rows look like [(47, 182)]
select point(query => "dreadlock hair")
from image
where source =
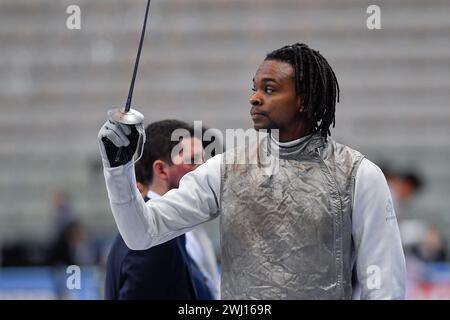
[(158, 145), (315, 82)]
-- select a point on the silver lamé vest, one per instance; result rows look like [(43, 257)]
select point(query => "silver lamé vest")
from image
[(286, 227)]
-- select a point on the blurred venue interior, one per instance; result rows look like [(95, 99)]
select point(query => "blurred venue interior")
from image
[(198, 62)]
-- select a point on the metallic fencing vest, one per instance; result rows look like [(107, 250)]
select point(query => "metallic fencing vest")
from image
[(286, 227)]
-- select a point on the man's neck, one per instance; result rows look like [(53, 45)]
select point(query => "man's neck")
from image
[(293, 133), (158, 188)]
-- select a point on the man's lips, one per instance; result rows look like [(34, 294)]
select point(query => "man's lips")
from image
[(257, 114)]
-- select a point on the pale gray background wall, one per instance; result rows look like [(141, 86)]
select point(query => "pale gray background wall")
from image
[(198, 61)]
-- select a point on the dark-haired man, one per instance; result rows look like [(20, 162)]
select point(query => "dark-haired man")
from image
[(295, 231)]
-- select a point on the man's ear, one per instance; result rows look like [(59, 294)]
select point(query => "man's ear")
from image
[(160, 170)]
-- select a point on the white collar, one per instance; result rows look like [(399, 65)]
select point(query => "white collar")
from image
[(291, 143), (153, 195)]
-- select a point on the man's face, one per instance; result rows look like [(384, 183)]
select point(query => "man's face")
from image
[(275, 104), (190, 157)]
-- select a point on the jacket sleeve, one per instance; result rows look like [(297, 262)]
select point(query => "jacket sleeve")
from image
[(380, 262), (144, 225)]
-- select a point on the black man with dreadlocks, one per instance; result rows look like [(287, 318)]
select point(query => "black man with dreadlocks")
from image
[(297, 232)]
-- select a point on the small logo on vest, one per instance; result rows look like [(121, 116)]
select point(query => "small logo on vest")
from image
[(390, 214)]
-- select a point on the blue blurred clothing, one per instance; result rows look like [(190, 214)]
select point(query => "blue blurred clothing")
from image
[(163, 272)]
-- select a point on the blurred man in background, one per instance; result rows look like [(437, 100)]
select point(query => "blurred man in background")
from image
[(72, 244), (432, 248), (167, 271)]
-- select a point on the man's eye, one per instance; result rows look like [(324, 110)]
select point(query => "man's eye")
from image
[(253, 89), (269, 90)]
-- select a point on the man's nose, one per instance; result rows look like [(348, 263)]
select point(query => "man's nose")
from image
[(255, 99)]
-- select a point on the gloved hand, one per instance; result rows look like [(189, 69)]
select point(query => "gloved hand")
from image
[(118, 143)]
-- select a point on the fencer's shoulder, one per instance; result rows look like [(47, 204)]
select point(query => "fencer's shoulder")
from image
[(342, 156), (214, 161), (210, 166), (369, 171), (341, 148)]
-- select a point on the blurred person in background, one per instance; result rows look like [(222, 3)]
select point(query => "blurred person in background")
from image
[(404, 186), (63, 211), (72, 244), (74, 247), (432, 248), (167, 271), (296, 233)]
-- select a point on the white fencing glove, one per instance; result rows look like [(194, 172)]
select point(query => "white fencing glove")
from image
[(118, 142)]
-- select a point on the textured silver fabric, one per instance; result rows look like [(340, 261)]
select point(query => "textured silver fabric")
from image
[(286, 232)]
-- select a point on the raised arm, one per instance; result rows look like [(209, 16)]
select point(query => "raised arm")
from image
[(143, 225)]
